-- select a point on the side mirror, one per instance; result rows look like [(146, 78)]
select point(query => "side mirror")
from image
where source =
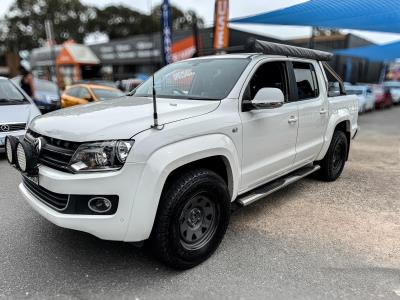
[(333, 89), (266, 98), (87, 97)]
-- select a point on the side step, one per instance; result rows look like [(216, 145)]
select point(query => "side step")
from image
[(275, 185)]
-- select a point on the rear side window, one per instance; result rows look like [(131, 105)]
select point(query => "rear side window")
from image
[(306, 81)]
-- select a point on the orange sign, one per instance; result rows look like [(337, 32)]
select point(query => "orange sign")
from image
[(183, 49), (221, 33)]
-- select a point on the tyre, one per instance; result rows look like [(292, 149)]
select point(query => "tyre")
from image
[(333, 163), (191, 220)]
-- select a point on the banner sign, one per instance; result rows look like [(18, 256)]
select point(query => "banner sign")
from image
[(184, 48), (166, 32), (221, 33)]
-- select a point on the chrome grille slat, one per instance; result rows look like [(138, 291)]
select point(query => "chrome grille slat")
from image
[(12, 127)]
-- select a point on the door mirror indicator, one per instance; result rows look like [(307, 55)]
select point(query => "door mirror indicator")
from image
[(266, 98)]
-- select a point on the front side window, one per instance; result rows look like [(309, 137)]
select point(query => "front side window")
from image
[(306, 81), (73, 92), (83, 92), (197, 79), (268, 75)]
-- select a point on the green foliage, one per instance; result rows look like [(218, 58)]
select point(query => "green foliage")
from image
[(23, 25), (120, 21)]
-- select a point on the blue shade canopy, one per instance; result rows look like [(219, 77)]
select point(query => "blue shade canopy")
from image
[(387, 52), (371, 15)]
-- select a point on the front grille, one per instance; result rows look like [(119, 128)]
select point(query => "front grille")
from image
[(55, 153), (54, 200), (12, 127)]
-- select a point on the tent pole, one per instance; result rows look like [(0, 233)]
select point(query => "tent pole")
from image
[(311, 44)]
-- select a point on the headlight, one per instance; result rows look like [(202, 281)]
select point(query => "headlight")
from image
[(101, 156)]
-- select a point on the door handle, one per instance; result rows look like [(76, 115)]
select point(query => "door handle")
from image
[(292, 120), (323, 111)]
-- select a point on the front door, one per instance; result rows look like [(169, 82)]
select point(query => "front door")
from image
[(269, 135)]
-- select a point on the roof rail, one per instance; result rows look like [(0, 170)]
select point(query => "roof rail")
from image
[(270, 48)]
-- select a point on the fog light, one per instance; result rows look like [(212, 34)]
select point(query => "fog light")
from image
[(27, 158), (21, 157), (11, 147), (99, 205)]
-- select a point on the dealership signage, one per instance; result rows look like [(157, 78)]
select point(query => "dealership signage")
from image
[(127, 51), (166, 32), (221, 32)]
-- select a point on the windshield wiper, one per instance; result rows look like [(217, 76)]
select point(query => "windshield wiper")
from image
[(8, 100), (201, 98)]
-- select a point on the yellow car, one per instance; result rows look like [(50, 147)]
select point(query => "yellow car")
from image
[(84, 93)]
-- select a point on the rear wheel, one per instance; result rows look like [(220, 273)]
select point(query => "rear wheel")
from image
[(333, 163), (192, 219)]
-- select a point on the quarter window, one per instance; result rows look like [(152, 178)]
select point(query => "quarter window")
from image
[(306, 81)]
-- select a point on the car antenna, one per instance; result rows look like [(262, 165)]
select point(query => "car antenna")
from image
[(155, 115)]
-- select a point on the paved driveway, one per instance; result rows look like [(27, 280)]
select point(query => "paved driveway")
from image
[(311, 240)]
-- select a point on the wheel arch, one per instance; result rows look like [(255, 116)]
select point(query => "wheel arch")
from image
[(218, 163), (217, 152), (342, 123)]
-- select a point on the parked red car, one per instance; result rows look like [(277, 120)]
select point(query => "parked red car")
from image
[(384, 100)]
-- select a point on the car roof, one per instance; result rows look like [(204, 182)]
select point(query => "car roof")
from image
[(91, 85), (254, 55)]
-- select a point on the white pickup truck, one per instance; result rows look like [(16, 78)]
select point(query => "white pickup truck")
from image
[(167, 162)]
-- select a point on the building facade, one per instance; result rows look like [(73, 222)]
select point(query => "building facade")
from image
[(350, 69)]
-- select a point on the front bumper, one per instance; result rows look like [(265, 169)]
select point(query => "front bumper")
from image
[(109, 227)]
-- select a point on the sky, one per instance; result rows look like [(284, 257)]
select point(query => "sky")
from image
[(238, 8)]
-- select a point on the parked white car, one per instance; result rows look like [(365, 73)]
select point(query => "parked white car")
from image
[(167, 163), (365, 95), (394, 87), (16, 111)]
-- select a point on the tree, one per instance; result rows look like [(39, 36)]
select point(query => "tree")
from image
[(180, 19), (23, 26), (121, 21)]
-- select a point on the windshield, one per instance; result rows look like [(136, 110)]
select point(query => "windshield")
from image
[(200, 79), (103, 94), (9, 94), (46, 86)]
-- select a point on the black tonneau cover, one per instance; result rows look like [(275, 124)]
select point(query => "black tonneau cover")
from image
[(286, 50)]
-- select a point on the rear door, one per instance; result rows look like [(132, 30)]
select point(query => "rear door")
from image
[(313, 110)]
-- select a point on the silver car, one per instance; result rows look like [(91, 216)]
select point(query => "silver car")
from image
[(17, 110)]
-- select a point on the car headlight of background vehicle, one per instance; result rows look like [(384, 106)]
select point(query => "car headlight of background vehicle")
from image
[(101, 156)]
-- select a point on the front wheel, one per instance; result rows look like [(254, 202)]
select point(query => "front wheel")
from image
[(192, 219), (333, 163)]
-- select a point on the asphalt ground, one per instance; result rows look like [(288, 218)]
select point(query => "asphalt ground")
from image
[(312, 240)]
